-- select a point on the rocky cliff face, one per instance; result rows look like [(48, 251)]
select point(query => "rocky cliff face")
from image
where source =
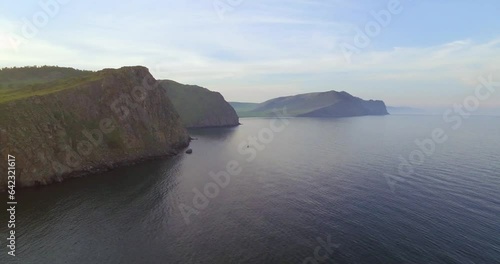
[(200, 107), (114, 117)]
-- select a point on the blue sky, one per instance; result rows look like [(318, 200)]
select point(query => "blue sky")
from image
[(430, 54)]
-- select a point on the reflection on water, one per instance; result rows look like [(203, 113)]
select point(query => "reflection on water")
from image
[(318, 180), (214, 133)]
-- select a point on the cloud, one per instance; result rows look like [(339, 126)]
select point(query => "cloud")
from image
[(259, 50)]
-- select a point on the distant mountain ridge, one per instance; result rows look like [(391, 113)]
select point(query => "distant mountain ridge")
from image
[(321, 104)]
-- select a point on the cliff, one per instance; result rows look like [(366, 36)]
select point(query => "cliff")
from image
[(324, 104), (200, 107), (94, 122)]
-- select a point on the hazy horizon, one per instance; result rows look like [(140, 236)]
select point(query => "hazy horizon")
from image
[(426, 55)]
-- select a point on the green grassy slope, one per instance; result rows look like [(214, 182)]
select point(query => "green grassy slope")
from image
[(246, 109), (18, 83), (243, 107), (21, 76)]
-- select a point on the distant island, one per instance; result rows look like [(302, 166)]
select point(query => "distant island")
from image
[(323, 104)]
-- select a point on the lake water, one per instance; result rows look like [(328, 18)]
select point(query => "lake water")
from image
[(307, 191)]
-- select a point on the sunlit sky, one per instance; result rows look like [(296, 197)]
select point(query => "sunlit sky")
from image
[(430, 53)]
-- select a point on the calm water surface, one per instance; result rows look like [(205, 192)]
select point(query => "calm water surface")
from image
[(314, 181)]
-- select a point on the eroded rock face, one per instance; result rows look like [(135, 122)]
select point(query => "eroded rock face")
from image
[(118, 117), (200, 107)]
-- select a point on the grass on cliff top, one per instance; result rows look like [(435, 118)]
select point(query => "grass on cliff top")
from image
[(17, 77), (7, 95), (19, 83)]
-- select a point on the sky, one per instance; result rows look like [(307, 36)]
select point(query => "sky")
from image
[(425, 54)]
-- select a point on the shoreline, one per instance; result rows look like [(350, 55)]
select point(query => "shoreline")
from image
[(100, 169)]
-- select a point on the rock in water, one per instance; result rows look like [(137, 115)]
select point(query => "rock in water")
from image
[(189, 151)]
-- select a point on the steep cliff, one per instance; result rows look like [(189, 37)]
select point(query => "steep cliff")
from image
[(70, 127), (200, 107), (324, 104)]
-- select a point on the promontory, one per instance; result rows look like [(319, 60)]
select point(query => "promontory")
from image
[(61, 122)]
